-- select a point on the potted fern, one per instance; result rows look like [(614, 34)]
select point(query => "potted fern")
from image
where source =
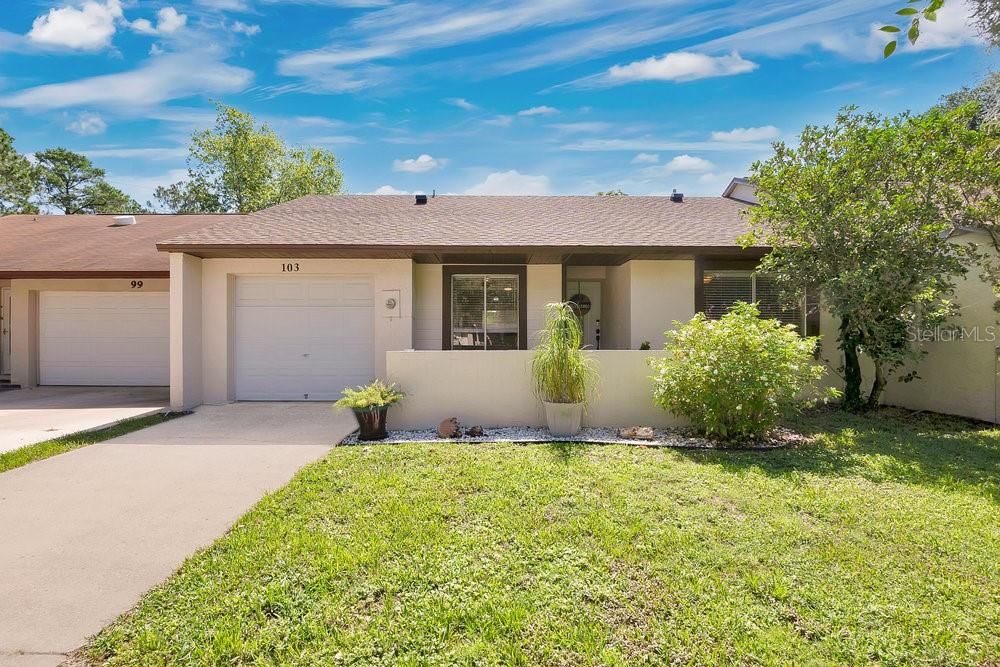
[(370, 405), (562, 374)]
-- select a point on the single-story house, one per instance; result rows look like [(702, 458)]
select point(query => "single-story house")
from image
[(84, 299), (444, 295)]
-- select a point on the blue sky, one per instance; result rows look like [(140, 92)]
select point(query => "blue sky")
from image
[(516, 97)]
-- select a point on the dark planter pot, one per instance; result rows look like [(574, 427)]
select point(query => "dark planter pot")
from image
[(372, 423)]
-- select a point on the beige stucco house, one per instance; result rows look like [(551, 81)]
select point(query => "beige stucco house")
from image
[(443, 295)]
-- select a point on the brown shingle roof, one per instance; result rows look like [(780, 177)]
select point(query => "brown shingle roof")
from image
[(476, 221), (88, 244)]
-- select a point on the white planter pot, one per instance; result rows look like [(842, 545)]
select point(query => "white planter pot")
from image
[(563, 419)]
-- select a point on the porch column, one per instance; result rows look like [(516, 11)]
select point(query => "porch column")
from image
[(185, 332)]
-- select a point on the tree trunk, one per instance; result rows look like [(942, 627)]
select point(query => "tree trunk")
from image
[(852, 366), (877, 387)]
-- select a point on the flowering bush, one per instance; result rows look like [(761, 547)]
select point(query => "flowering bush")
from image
[(735, 377)]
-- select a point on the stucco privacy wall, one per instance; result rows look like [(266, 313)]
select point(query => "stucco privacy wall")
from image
[(391, 330), (24, 314), (494, 389), (958, 375), (544, 286)]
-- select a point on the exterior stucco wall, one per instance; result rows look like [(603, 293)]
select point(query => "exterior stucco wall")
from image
[(616, 303), (661, 291), (186, 361), (427, 307), (494, 389), (958, 373), (393, 329), (24, 314), (544, 285)]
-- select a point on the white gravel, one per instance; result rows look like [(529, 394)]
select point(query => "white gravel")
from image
[(603, 436)]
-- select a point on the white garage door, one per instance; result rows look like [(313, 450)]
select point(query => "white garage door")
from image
[(104, 338), (302, 338)]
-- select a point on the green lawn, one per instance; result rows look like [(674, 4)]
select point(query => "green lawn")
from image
[(16, 458), (880, 543)]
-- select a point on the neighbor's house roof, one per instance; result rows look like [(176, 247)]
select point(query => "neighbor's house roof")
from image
[(80, 246), (529, 228)]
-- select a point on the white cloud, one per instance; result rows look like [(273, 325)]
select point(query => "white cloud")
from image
[(582, 127), (138, 153), (680, 66), (245, 28), (654, 144), (167, 77), (334, 140), (747, 134), (141, 187), (317, 121), (686, 163), (419, 164), (87, 28), (461, 103), (168, 21), (156, 50), (87, 125), (389, 190), (500, 121), (511, 183), (538, 111), (646, 158)]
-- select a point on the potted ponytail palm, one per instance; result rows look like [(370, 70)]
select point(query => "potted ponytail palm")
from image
[(563, 375), (370, 405)]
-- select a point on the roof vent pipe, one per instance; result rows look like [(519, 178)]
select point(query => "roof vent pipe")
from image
[(421, 199), (123, 220), (677, 196)]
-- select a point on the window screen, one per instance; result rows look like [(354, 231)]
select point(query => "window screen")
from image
[(723, 288), (484, 312)]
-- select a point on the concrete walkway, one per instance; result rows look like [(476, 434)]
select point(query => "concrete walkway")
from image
[(42, 413), (86, 533)]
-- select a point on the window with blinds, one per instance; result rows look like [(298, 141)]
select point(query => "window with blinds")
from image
[(484, 312), (723, 288)]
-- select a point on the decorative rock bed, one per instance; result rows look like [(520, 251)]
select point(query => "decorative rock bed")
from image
[(599, 436)]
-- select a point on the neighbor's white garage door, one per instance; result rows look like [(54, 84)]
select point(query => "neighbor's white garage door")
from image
[(104, 338), (302, 338)]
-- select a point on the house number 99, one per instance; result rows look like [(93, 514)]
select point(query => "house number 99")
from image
[(290, 268), (136, 284)]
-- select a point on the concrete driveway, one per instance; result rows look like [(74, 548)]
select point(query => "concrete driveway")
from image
[(33, 415), (86, 533)]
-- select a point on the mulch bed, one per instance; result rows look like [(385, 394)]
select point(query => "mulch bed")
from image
[(676, 438)]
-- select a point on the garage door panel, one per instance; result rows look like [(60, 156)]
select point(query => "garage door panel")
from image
[(302, 338), (104, 338)]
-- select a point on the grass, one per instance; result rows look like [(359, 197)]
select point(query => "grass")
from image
[(877, 544), (16, 458)]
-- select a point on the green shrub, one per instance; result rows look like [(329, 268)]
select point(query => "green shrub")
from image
[(377, 394), (562, 373), (735, 377)]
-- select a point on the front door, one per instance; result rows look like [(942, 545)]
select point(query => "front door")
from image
[(586, 294), (5, 330)]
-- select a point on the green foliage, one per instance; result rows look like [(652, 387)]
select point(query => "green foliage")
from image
[(66, 179), (376, 394), (735, 377), (191, 196), (18, 179), (561, 372), (102, 197), (612, 193), (245, 167), (986, 95), (860, 212)]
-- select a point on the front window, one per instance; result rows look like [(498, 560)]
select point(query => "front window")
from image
[(485, 312), (723, 288)]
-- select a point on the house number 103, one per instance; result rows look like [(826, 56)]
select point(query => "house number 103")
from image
[(290, 267)]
